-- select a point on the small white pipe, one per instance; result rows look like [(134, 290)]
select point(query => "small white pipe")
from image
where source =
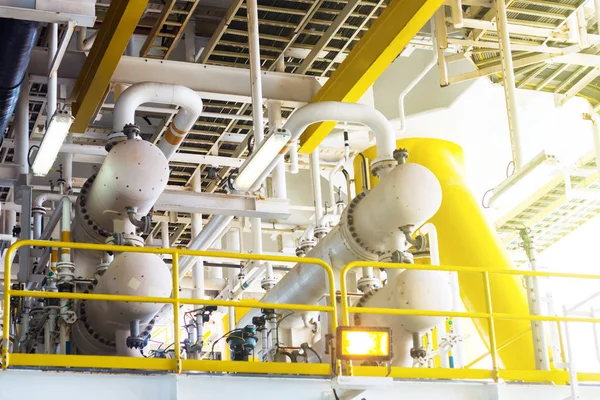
[(22, 128), (44, 197), (164, 234), (315, 169), (510, 89), (279, 183), (255, 73), (433, 62), (198, 267), (150, 92), (457, 14), (434, 255), (65, 227), (52, 93), (67, 166), (190, 41), (338, 166), (85, 43), (294, 166)]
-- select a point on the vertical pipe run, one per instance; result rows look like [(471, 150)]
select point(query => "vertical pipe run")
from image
[(510, 89), (315, 168), (255, 73), (65, 228), (53, 78), (164, 234), (441, 38), (190, 41), (257, 112), (279, 183), (22, 127), (198, 268)]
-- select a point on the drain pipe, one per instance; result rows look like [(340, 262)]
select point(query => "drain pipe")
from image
[(417, 79), (189, 102)]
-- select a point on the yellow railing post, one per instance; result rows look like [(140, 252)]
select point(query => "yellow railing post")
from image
[(175, 295), (6, 311), (491, 325)]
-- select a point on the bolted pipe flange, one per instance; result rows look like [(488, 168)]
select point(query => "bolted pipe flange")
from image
[(113, 139), (268, 284), (131, 131), (38, 210), (382, 165), (65, 271), (306, 246), (321, 230), (367, 284)]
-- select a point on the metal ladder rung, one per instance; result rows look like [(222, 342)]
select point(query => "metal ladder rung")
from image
[(165, 48), (167, 35), (180, 12), (172, 23), (154, 56)]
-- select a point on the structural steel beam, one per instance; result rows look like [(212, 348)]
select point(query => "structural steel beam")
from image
[(383, 42), (223, 204), (93, 83), (210, 81)]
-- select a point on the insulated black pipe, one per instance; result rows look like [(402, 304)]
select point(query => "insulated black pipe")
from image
[(17, 39)]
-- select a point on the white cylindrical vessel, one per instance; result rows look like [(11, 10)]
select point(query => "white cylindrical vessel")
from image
[(129, 274), (408, 195), (134, 174), (412, 290)]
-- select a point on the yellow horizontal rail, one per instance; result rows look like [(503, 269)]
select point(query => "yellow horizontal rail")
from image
[(177, 364), (441, 373)]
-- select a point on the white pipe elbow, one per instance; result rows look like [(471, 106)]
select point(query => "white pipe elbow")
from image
[(162, 93), (44, 197)]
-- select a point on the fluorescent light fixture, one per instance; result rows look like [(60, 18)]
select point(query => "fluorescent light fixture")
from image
[(260, 159), (364, 343), (536, 174), (51, 143)]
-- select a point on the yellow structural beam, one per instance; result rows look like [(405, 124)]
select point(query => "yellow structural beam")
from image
[(385, 39), (93, 82)]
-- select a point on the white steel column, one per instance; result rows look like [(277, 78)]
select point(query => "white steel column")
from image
[(509, 84), (53, 78), (22, 127), (257, 115), (198, 268)]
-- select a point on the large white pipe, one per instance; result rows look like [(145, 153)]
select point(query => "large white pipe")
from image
[(151, 92), (384, 132), (408, 195)]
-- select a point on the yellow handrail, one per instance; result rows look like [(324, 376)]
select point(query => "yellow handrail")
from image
[(489, 314), (177, 364)]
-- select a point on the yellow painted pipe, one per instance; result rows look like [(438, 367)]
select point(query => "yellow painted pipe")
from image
[(467, 239)]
